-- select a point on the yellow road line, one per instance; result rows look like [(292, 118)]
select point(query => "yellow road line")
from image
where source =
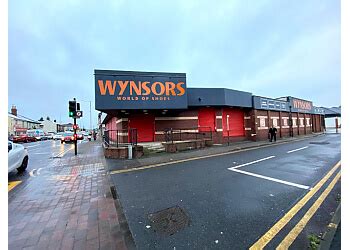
[(293, 234), (196, 158), (274, 230), (12, 184)]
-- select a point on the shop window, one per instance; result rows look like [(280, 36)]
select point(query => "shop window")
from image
[(275, 122), (307, 121), (301, 122), (262, 122)]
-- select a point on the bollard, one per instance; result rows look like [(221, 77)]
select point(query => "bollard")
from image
[(130, 152)]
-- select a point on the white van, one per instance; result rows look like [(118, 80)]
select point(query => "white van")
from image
[(37, 133)]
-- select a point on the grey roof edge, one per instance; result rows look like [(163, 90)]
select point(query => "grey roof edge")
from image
[(236, 90)]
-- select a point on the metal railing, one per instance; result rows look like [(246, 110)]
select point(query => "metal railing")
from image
[(230, 137), (120, 137), (171, 135)]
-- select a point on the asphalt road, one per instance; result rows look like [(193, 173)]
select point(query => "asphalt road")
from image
[(231, 208), (41, 154)]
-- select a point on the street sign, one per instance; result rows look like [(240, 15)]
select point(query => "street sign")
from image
[(78, 114)]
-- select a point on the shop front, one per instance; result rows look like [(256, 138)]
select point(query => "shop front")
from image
[(147, 105)]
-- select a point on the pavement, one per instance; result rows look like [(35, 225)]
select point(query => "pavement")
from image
[(229, 197), (64, 201), (156, 158)]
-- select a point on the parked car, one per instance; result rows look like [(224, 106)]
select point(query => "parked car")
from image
[(49, 136), (37, 133), (67, 137), (57, 136), (17, 157), (44, 137), (23, 138), (80, 136)]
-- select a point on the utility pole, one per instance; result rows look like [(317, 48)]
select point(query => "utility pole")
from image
[(90, 115), (75, 112), (75, 136)]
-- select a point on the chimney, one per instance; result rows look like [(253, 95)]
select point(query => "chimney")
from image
[(14, 110)]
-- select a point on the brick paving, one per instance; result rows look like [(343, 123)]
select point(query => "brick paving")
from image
[(68, 206)]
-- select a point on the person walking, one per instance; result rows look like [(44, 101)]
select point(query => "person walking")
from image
[(272, 133)]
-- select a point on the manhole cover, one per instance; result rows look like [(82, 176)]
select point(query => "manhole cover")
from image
[(169, 221), (319, 142)]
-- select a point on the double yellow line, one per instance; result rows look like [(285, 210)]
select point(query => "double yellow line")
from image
[(13, 184), (292, 235)]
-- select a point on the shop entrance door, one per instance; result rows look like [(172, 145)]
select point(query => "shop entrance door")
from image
[(233, 122), (144, 125), (206, 119)]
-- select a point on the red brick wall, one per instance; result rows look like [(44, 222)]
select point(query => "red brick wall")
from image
[(254, 127), (317, 121), (187, 120), (283, 130)]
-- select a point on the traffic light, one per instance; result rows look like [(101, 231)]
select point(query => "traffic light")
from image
[(72, 108), (75, 126)]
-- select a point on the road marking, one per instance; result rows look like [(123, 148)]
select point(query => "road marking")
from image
[(38, 171), (62, 153), (202, 157), (291, 151), (332, 225), (252, 162), (31, 173), (13, 184), (270, 179), (180, 161), (274, 230), (32, 146), (293, 234), (41, 153)]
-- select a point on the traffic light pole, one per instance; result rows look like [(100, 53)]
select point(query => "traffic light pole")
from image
[(75, 137)]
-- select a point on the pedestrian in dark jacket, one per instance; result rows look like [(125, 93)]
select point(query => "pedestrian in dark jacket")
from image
[(272, 132)]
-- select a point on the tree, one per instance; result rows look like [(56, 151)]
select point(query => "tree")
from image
[(48, 118), (41, 119)]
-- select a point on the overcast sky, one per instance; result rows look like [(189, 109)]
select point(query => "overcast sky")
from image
[(269, 48)]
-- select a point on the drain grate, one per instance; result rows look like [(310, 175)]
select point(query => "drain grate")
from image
[(319, 142), (114, 192), (169, 221)]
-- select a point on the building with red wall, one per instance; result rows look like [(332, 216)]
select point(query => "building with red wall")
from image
[(153, 103)]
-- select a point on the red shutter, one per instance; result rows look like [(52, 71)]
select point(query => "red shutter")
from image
[(206, 119), (233, 120), (144, 125)]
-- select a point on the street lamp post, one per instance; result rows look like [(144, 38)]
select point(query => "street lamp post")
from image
[(90, 113)]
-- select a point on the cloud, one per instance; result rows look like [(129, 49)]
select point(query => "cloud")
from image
[(270, 48)]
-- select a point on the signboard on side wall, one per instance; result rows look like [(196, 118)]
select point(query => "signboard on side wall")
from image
[(269, 104), (115, 90), (301, 106)]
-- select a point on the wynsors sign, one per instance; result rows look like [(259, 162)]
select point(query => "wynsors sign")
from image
[(298, 105), (139, 90)]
